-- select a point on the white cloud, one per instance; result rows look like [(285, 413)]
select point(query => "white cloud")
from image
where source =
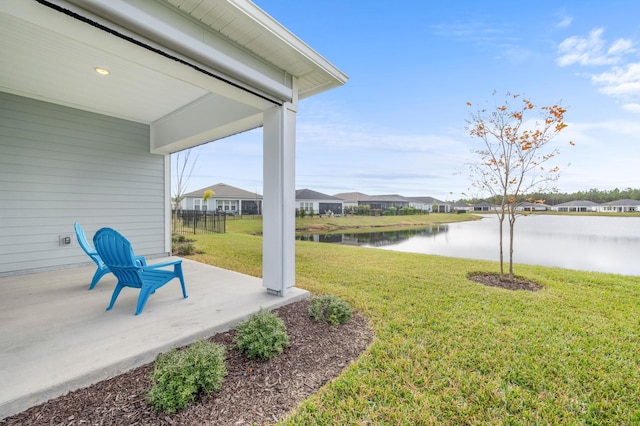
[(565, 22), (338, 153), (604, 155), (632, 107), (624, 130), (471, 31), (592, 50), (517, 53), (620, 81), (621, 46)]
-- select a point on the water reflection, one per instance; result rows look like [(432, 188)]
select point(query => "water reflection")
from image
[(374, 239), (589, 243)]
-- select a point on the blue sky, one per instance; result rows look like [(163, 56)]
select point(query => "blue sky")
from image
[(398, 125)]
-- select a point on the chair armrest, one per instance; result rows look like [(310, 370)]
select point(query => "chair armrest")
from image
[(163, 264), (141, 260)]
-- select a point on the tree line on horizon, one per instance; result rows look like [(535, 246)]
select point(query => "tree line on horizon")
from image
[(594, 195)]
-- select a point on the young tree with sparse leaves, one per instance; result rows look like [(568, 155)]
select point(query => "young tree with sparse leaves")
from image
[(183, 171), (516, 158)]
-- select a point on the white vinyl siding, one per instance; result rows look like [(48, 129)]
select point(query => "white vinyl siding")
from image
[(59, 165)]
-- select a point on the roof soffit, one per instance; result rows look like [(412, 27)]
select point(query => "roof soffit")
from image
[(250, 27), (168, 27), (50, 56)]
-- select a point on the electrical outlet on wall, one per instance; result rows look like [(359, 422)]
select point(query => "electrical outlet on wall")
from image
[(65, 240)]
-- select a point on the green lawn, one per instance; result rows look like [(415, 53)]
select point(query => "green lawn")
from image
[(449, 351)]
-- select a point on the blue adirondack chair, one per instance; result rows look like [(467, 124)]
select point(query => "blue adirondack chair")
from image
[(93, 254), (116, 252)]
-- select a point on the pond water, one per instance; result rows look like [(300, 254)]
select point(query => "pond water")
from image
[(588, 243)]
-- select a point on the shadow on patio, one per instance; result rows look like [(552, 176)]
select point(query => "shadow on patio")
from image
[(56, 336)]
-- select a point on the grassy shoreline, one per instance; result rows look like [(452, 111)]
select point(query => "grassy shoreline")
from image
[(449, 351), (374, 223), (326, 224)]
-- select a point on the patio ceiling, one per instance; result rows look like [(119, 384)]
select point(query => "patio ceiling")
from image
[(51, 56)]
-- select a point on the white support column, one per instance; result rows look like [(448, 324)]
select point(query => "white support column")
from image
[(278, 214), (168, 207)]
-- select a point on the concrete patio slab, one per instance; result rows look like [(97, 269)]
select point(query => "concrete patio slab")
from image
[(56, 335)]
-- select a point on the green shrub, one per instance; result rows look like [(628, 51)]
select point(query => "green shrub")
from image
[(330, 308), (184, 249), (391, 211), (179, 376), (407, 210), (177, 238), (263, 335), (364, 210), (182, 246)]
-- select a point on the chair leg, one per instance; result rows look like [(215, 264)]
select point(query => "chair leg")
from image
[(178, 271), (184, 290), (142, 298), (114, 296), (96, 277)]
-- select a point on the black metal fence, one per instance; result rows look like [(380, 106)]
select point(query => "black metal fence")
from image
[(198, 222)]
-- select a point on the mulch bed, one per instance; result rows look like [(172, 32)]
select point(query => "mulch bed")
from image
[(493, 280), (253, 392)]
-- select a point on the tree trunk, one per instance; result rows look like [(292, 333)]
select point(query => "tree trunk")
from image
[(500, 224), (511, 250), (512, 222)]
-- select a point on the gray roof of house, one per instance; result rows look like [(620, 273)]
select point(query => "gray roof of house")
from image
[(352, 197), (577, 203), (389, 198), (308, 194), (426, 200), (622, 203), (222, 190)]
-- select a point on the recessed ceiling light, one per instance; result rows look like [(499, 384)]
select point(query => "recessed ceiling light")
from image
[(102, 71)]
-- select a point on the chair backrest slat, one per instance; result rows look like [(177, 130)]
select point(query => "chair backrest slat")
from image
[(84, 244), (117, 254)]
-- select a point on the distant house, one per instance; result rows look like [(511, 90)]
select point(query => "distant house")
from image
[(458, 207), (483, 207), (226, 198), (527, 206), (375, 202), (385, 202), (575, 206), (352, 199), (620, 206), (318, 203), (428, 204)]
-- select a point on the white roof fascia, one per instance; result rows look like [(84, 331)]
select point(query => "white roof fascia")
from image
[(269, 23), (161, 32)]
